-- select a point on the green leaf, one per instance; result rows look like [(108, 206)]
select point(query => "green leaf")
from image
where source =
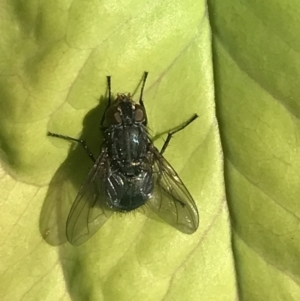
[(256, 59), (55, 56)]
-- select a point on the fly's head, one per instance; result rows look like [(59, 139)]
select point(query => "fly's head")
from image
[(125, 111)]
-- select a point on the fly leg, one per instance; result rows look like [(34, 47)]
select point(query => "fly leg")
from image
[(142, 92), (142, 89), (82, 142), (109, 100), (176, 130)]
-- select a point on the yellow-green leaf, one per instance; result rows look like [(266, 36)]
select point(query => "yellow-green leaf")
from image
[(54, 59)]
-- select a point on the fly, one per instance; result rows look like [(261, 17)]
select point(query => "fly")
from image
[(128, 173)]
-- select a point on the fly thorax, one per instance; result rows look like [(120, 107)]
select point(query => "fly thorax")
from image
[(127, 144)]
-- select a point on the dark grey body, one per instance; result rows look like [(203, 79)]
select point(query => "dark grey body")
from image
[(123, 175), (129, 182)]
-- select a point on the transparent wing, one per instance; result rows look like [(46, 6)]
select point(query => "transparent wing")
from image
[(89, 210), (56, 207), (171, 200)]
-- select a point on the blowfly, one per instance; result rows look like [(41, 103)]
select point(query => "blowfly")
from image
[(128, 173)]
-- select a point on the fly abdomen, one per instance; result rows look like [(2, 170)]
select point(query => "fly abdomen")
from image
[(128, 193)]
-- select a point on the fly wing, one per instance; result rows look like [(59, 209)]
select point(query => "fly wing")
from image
[(171, 200), (89, 210), (56, 207)]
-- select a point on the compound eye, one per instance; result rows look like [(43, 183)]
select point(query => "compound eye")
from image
[(113, 116), (117, 117), (139, 114)]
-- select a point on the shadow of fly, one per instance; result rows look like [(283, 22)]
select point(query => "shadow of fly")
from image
[(129, 173)]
